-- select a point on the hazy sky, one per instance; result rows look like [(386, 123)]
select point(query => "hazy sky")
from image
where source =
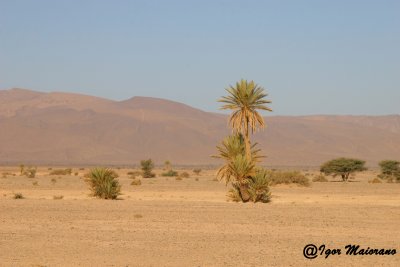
[(313, 57)]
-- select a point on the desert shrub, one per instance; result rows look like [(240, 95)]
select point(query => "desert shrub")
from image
[(81, 169), (147, 168), (61, 172), (58, 197), (170, 173), (30, 172), (287, 177), (184, 175), (35, 183), (76, 174), (103, 183), (320, 178), (197, 171), (53, 180), (196, 179), (343, 167), (375, 181), (18, 196), (178, 178), (136, 182), (390, 170)]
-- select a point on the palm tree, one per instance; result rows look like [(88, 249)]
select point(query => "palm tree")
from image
[(237, 166), (245, 99)]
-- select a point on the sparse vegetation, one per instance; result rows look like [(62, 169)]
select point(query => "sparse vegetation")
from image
[(147, 168), (170, 173), (320, 178), (58, 197), (61, 172), (136, 182), (390, 170), (18, 196), (287, 177), (178, 178), (103, 183), (343, 167), (375, 181), (184, 175), (197, 171), (30, 172), (53, 180), (35, 183)]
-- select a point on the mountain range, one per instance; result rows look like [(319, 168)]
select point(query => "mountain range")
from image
[(72, 129)]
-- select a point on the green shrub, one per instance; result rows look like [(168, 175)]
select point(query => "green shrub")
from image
[(103, 183), (170, 173), (147, 168), (18, 196), (320, 178), (61, 172), (287, 177)]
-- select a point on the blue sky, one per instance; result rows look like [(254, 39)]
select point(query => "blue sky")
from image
[(313, 57)]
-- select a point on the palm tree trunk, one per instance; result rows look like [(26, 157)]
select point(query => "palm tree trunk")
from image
[(244, 192), (247, 142)]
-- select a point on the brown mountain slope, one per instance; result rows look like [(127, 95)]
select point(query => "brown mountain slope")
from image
[(63, 128)]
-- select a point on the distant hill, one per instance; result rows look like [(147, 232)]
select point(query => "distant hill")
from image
[(70, 129)]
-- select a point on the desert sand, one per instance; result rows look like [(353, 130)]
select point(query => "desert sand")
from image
[(167, 222)]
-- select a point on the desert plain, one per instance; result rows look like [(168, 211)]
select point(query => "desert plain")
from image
[(189, 222)]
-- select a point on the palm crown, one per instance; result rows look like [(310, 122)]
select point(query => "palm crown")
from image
[(245, 99)]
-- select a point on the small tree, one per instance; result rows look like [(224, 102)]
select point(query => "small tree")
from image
[(147, 167), (343, 167), (390, 169)]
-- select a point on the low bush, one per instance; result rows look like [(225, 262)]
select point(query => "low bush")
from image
[(184, 175), (178, 178), (61, 172), (170, 173), (136, 182), (103, 183), (30, 172), (287, 177), (320, 178), (58, 197), (197, 171), (18, 196), (375, 181)]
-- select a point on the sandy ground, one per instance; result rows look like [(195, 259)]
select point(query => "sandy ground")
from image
[(166, 222)]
